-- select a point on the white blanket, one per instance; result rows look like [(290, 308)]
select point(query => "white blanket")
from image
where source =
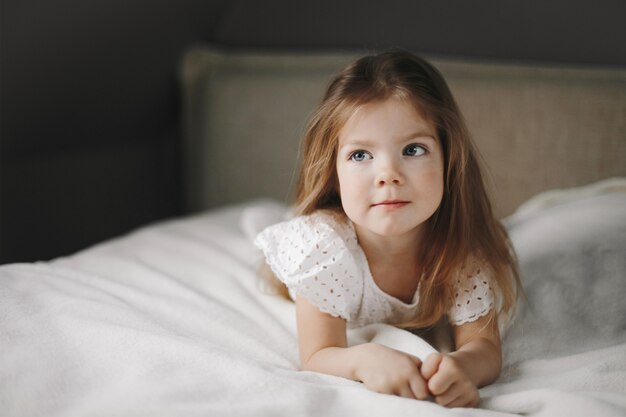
[(170, 321)]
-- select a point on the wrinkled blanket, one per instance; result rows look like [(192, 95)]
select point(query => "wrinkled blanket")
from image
[(170, 320)]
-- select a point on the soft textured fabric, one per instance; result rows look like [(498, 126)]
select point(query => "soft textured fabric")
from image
[(318, 257), (170, 321)]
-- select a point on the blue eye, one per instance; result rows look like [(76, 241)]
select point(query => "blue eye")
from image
[(358, 156), (414, 150)]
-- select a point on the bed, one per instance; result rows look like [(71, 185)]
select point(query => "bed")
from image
[(171, 319)]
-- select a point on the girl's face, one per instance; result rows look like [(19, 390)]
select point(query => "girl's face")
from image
[(390, 169)]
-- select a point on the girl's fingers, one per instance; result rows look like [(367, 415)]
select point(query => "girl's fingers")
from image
[(440, 383), (431, 365), (419, 388), (447, 382), (464, 401), (450, 398), (406, 392), (455, 396)]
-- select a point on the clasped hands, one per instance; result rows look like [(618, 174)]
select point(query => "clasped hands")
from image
[(440, 376)]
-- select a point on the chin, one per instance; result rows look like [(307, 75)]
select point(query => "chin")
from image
[(393, 230)]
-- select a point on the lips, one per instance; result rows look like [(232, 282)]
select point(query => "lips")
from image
[(391, 203)]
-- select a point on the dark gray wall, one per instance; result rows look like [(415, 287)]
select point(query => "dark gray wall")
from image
[(89, 104), (90, 119), (579, 32)]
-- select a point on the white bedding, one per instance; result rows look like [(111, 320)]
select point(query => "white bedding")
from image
[(170, 320)]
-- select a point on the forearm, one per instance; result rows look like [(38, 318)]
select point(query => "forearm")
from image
[(338, 361), (481, 359)]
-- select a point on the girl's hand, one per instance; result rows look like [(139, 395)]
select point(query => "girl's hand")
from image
[(448, 382), (389, 371)]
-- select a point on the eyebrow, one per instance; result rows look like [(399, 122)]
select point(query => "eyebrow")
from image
[(366, 142)]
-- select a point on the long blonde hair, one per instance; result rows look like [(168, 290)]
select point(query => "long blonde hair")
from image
[(464, 226)]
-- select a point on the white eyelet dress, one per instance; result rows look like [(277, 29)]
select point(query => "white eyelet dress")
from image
[(318, 257)]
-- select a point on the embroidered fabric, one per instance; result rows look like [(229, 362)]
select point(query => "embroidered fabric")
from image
[(318, 257), (473, 296), (313, 256)]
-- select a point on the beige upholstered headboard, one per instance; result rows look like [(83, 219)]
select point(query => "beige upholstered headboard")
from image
[(537, 128)]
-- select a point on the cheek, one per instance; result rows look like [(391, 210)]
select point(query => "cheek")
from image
[(344, 178), (437, 172), (349, 187), (339, 179), (344, 185), (432, 181)]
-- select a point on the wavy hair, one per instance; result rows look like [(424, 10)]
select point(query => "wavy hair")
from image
[(464, 226)]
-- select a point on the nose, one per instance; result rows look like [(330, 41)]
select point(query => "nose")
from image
[(389, 173)]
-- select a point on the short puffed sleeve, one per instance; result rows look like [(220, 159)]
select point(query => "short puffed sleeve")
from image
[(473, 296), (314, 256)]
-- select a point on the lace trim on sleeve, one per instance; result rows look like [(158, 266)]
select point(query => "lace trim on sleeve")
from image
[(312, 255), (473, 296)]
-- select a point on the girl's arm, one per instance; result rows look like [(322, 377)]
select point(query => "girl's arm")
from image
[(478, 348), (323, 341), (454, 378), (324, 348)]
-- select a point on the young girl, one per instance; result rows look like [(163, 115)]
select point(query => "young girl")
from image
[(394, 225)]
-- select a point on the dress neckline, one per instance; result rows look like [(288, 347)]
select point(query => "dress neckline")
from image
[(370, 278)]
